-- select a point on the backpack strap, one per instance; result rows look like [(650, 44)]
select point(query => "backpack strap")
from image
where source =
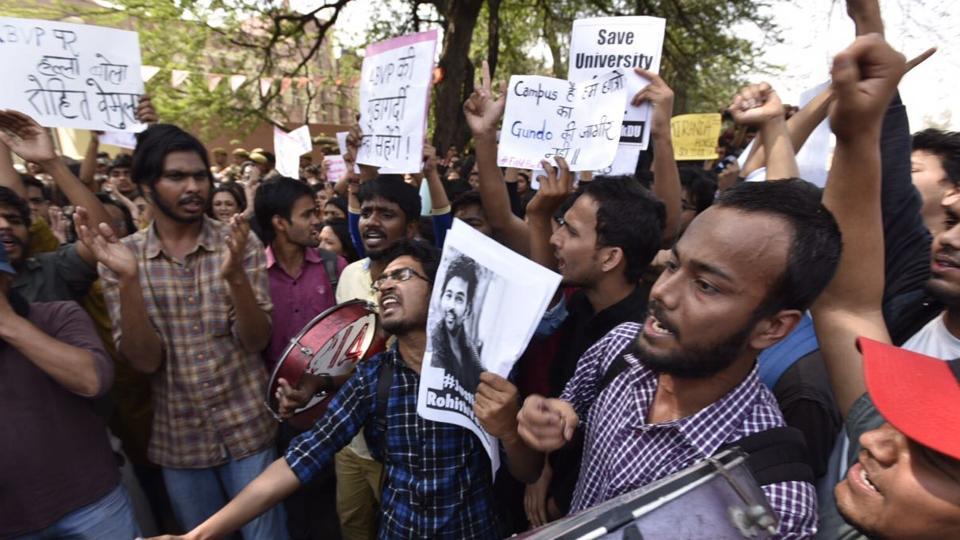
[(384, 382), (330, 265), (776, 455), (618, 366)]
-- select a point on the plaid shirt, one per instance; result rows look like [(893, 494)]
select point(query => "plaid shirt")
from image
[(208, 394), (438, 482), (623, 452)]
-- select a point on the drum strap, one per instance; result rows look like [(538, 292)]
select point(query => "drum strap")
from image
[(774, 455)]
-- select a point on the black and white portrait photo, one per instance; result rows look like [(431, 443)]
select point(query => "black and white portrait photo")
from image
[(455, 333), (484, 307)]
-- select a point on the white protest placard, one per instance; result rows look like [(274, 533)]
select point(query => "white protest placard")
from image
[(121, 139), (812, 157), (394, 91), (288, 148), (71, 75), (486, 303), (600, 44), (625, 162), (336, 168), (548, 117)]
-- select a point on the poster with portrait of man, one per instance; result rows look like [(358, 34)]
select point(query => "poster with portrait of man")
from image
[(485, 305)]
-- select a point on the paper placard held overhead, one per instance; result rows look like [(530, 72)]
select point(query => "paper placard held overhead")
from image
[(394, 91), (289, 147), (600, 44), (548, 117), (336, 168), (695, 136), (485, 305), (71, 75)]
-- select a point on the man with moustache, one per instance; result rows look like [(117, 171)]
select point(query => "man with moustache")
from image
[(389, 214), (190, 304), (737, 282), (437, 481)]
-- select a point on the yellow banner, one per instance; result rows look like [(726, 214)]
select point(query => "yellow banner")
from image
[(695, 136)]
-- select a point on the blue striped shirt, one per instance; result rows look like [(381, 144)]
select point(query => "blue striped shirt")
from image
[(437, 476), (623, 452)]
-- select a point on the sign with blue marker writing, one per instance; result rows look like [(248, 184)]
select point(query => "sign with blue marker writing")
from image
[(395, 85), (600, 44), (547, 117), (71, 75)]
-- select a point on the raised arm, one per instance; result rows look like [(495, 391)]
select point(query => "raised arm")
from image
[(865, 77), (88, 167), (759, 106), (666, 177), (483, 113), (31, 142), (799, 128), (554, 189)]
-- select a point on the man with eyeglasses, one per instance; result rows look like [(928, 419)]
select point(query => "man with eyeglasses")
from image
[(437, 481), (389, 214), (190, 304)]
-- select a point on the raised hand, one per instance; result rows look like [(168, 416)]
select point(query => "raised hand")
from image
[(755, 105), (102, 241), (496, 406), (554, 188), (660, 95), (145, 111), (546, 424), (354, 138), (482, 110), (232, 267), (25, 137), (865, 76)]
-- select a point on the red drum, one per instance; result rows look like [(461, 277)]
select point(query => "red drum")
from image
[(331, 344)]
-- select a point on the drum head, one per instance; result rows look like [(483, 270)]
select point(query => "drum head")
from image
[(331, 344)]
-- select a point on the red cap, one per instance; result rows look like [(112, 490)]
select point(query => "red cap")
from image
[(918, 394)]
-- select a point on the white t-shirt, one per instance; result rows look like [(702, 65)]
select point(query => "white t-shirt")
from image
[(935, 340)]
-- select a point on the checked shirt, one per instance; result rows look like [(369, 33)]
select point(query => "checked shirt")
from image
[(208, 394), (623, 452), (438, 482)]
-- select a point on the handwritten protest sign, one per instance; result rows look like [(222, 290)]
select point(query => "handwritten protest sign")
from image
[(71, 75), (695, 135), (600, 44), (394, 88), (548, 117), (486, 303), (289, 147)]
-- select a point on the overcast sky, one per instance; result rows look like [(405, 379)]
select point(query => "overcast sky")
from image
[(813, 31)]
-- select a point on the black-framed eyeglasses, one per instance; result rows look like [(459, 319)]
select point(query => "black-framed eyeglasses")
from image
[(398, 275)]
